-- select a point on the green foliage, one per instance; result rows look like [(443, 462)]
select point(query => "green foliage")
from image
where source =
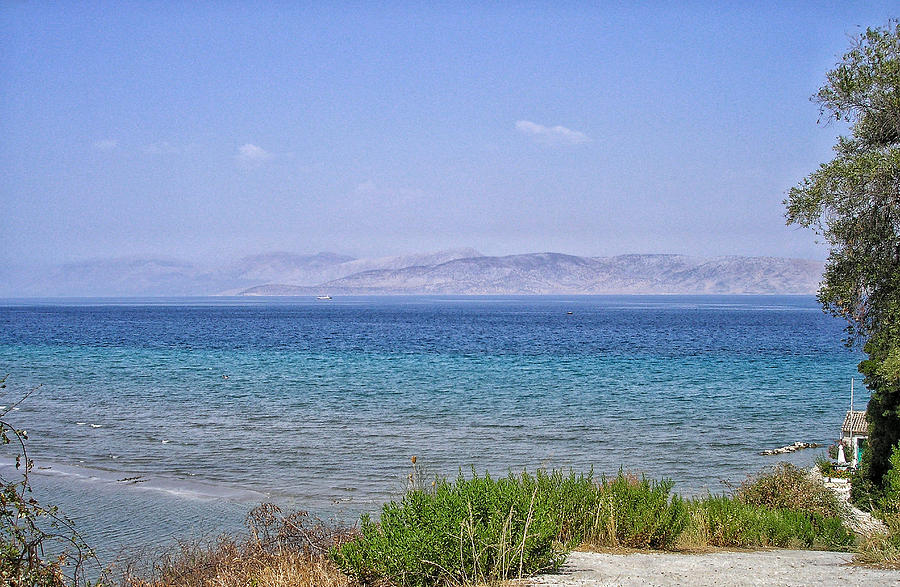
[(779, 507), (635, 513), (728, 522), (474, 529), (786, 486), (27, 527), (854, 202), (827, 469), (884, 548), (890, 501), (882, 500), (883, 412), (864, 492), (889, 369), (862, 89), (482, 529)]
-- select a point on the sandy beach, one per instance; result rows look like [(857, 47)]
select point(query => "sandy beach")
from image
[(774, 567)]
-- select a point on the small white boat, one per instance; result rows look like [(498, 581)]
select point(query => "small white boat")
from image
[(323, 297)]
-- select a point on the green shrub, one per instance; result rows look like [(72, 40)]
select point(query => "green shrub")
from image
[(889, 502), (864, 494), (832, 534), (722, 521), (624, 511), (476, 529), (786, 486), (883, 548), (827, 469), (481, 529), (636, 514)]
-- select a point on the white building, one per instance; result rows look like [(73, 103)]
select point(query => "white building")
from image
[(854, 434)]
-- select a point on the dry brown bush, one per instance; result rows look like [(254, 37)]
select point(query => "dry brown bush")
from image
[(280, 550)]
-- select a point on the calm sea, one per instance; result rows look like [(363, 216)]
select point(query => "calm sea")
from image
[(161, 419)]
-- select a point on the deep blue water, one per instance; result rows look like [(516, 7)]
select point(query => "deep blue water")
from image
[(218, 403)]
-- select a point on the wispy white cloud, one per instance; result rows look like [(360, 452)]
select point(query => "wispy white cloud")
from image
[(164, 148), (106, 144), (252, 156), (551, 135)]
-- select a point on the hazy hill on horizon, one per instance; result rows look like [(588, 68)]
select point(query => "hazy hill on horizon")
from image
[(556, 273), (454, 271), (150, 276)]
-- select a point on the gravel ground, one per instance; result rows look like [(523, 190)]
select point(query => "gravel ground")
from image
[(775, 567)]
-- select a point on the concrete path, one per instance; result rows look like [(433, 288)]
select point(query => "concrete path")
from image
[(775, 567)]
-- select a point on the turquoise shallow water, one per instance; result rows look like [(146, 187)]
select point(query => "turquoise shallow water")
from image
[(216, 404)]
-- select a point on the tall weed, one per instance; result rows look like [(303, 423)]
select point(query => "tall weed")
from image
[(473, 530), (635, 513), (722, 521), (481, 529), (882, 548)]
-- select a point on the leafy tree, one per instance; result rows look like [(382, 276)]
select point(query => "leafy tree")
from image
[(853, 201)]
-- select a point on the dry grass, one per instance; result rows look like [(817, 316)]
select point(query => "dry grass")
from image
[(881, 549), (280, 550), (696, 535), (231, 564)]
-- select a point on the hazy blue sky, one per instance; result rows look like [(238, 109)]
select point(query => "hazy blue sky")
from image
[(214, 129)]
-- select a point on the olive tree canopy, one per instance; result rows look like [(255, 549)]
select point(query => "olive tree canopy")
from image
[(853, 201)]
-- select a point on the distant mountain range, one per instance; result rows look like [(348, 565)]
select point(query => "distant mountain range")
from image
[(457, 271)]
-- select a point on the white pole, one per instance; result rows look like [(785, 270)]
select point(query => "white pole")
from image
[(852, 442)]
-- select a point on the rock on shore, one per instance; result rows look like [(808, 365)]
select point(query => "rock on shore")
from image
[(790, 448)]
